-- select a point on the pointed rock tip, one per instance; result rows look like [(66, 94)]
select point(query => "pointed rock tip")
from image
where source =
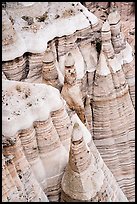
[(77, 134), (113, 17), (106, 26), (48, 57), (103, 68), (69, 61)]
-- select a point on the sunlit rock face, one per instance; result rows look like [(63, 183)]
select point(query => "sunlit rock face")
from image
[(62, 65)]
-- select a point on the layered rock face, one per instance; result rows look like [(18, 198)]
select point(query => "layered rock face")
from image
[(71, 90), (73, 68), (36, 153), (126, 11), (112, 104), (49, 71), (38, 146), (19, 181), (35, 33), (85, 175)]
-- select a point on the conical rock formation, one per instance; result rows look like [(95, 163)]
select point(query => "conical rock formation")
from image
[(84, 178)]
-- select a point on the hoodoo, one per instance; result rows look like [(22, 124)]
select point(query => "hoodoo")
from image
[(68, 102)]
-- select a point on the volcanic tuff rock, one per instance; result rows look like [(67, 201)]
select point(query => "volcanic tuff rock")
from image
[(126, 11), (62, 36), (91, 63), (71, 90), (111, 105), (85, 177), (50, 73), (36, 140), (19, 181)]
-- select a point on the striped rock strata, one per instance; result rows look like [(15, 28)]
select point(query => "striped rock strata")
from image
[(106, 40), (116, 35), (31, 40), (34, 61), (105, 86), (36, 144), (14, 70), (71, 90), (84, 178), (114, 117), (49, 70), (126, 53), (18, 177), (9, 189)]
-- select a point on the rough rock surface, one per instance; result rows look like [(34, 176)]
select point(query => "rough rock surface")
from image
[(85, 175), (62, 65), (35, 139)]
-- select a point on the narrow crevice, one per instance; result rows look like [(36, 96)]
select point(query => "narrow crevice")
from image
[(56, 46), (92, 120), (91, 104), (98, 47), (27, 65)]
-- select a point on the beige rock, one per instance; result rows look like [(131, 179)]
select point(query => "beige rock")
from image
[(106, 40), (110, 191), (105, 31), (30, 147), (40, 152), (90, 79), (71, 91), (3, 76), (49, 70), (10, 192), (108, 49), (84, 178), (53, 156), (112, 127), (114, 19), (9, 34), (99, 86), (32, 188), (62, 123), (35, 66), (89, 114), (17, 182), (117, 37), (16, 69), (129, 71), (59, 45)]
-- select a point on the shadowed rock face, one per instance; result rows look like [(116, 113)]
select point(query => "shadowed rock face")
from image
[(68, 102)]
